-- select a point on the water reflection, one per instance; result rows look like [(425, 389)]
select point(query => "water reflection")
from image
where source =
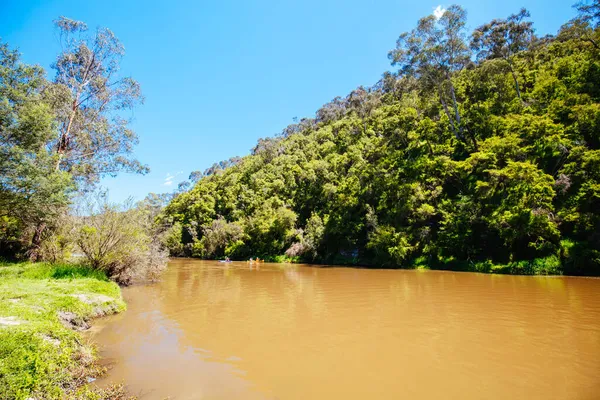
[(218, 331)]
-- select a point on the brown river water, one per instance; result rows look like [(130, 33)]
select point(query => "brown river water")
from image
[(211, 330)]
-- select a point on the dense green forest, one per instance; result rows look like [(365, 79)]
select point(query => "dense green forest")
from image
[(479, 151)]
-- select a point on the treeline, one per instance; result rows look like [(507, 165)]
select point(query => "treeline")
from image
[(58, 137), (480, 151)]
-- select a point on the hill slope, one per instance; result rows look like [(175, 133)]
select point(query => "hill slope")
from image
[(491, 165)]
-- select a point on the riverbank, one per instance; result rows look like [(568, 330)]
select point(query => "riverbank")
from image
[(571, 260), (43, 309)]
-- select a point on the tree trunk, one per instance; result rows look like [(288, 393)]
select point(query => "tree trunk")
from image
[(448, 114), (473, 139), (430, 148), (61, 147), (512, 71), (62, 142), (455, 107), (36, 242)]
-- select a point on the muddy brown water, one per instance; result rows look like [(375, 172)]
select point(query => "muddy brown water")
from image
[(211, 330)]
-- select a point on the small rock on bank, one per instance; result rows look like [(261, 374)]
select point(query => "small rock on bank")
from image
[(72, 321), (10, 321)]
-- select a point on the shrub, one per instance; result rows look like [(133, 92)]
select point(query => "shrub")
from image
[(58, 245), (173, 240), (218, 236), (120, 241), (579, 259)]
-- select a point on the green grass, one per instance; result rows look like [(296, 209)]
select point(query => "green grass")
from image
[(49, 271), (40, 357)]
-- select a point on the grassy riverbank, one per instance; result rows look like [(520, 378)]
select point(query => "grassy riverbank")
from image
[(43, 308)]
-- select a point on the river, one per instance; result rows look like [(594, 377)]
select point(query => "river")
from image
[(211, 330)]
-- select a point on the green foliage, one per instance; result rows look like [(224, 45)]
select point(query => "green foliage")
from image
[(173, 239), (219, 239), (32, 192), (120, 240), (579, 258), (39, 356), (94, 136), (489, 165), (59, 136)]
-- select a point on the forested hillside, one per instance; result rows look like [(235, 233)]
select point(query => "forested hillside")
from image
[(481, 151)]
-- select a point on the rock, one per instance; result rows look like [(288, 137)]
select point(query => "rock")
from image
[(72, 321), (93, 298), (10, 321), (51, 340)]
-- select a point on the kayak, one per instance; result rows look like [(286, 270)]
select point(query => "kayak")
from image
[(224, 261)]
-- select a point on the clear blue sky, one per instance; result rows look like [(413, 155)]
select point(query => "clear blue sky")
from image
[(217, 75)]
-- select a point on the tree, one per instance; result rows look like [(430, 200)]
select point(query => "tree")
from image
[(504, 38), (219, 238), (331, 111), (310, 239), (585, 25), (183, 186), (120, 240), (378, 178), (363, 102), (589, 12), (195, 176), (32, 192), (89, 100), (94, 137), (433, 52)]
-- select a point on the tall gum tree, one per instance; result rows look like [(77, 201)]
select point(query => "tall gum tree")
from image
[(433, 52), (504, 39), (90, 100)]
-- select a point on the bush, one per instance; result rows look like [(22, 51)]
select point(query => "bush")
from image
[(217, 238), (120, 241), (579, 259), (58, 245), (173, 240)]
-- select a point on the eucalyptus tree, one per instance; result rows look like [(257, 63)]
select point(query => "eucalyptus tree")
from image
[(433, 52), (526, 201), (363, 101), (91, 98), (589, 11), (89, 101), (195, 176), (183, 186), (503, 39), (332, 111), (585, 25)]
